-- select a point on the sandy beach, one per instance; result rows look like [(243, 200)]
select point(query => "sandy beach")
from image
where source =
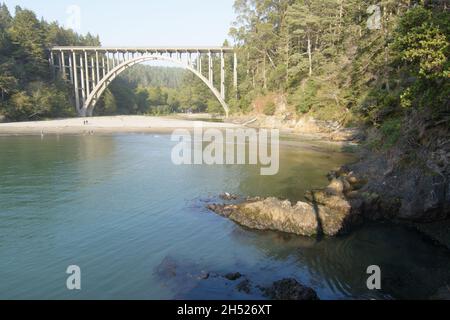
[(112, 124)]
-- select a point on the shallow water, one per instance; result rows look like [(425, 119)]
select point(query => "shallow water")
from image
[(116, 206)]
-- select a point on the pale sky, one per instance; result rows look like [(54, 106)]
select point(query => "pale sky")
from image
[(141, 22)]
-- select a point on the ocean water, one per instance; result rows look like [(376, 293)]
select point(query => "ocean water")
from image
[(138, 227)]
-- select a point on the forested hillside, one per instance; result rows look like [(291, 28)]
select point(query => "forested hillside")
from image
[(27, 86), (377, 63)]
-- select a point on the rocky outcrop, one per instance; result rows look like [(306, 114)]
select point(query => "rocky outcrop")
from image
[(328, 212), (289, 289)]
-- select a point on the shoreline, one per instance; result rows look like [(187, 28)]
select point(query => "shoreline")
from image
[(107, 125), (132, 124)]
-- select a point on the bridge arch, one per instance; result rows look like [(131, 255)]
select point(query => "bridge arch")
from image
[(102, 85)]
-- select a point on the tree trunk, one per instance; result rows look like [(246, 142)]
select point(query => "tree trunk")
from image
[(287, 60), (310, 56), (264, 73)]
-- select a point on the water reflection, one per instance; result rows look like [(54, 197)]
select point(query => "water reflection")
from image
[(412, 268)]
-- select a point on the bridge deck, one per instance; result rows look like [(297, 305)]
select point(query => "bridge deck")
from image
[(147, 49)]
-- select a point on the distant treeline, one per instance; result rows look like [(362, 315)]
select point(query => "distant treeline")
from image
[(155, 76), (145, 89)]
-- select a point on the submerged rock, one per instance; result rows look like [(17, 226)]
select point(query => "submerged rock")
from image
[(233, 276), (289, 289), (244, 286), (228, 196)]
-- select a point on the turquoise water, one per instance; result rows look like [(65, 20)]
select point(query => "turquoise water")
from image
[(116, 206)]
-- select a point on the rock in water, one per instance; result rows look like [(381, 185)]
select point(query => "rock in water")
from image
[(233, 276), (303, 218), (289, 289), (244, 286), (331, 211)]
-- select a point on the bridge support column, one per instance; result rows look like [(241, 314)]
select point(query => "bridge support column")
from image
[(86, 62), (108, 62), (93, 72), (75, 81), (63, 65), (222, 75), (210, 68), (199, 63), (70, 68), (103, 66), (83, 83), (97, 67)]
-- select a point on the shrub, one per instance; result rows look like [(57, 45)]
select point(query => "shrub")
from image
[(270, 108)]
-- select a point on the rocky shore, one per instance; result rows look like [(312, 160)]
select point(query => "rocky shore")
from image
[(404, 184), (345, 203), (332, 211)]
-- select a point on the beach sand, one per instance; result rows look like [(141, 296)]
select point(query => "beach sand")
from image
[(112, 124)]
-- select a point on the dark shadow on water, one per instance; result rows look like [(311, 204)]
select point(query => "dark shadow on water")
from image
[(337, 266)]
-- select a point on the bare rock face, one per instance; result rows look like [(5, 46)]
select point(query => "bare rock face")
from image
[(331, 211), (306, 219)]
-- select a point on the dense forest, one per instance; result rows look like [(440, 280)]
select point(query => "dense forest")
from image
[(378, 63), (28, 89)]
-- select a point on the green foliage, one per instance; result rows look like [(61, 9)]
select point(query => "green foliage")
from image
[(305, 97), (423, 45), (39, 101), (391, 130), (270, 108), (28, 91), (108, 105), (329, 64)]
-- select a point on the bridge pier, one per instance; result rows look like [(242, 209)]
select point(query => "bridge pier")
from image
[(91, 69)]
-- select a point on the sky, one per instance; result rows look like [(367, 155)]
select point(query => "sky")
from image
[(140, 22)]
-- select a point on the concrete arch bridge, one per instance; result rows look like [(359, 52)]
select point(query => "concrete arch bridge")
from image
[(91, 69)]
